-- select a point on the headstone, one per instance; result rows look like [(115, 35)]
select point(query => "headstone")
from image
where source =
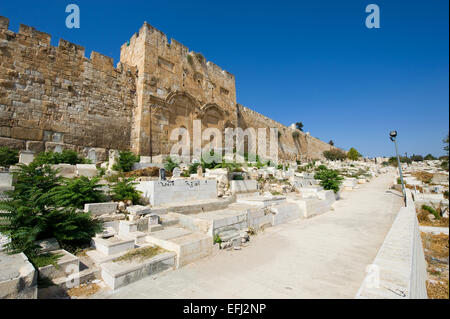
[(176, 172), (57, 137), (112, 157), (92, 156), (6, 179), (162, 174), (199, 171), (88, 170), (26, 157)]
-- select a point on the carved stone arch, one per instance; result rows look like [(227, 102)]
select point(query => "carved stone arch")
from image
[(173, 96), (183, 108), (213, 115)]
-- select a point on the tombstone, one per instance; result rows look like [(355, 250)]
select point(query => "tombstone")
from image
[(162, 174), (112, 157), (176, 172), (26, 157), (92, 156), (199, 171), (57, 137)]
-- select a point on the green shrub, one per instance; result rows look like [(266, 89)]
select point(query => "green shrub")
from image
[(29, 217), (76, 192), (444, 165), (429, 157), (34, 181), (8, 156), (329, 179), (189, 59), (123, 189), (393, 160), (170, 164), (193, 168), (125, 161), (65, 157), (353, 154), (217, 239), (335, 155), (238, 178), (101, 171), (45, 260), (416, 158), (431, 210)]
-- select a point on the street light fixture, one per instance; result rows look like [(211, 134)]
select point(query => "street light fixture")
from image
[(393, 137)]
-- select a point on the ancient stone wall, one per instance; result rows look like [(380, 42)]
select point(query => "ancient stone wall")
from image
[(55, 97), (293, 144), (175, 87)]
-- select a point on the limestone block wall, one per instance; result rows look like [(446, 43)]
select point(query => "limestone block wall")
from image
[(303, 147), (53, 96), (175, 86)]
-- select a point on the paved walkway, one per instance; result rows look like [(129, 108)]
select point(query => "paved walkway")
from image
[(322, 257)]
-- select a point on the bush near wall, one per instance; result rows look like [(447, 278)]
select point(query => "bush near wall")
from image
[(123, 189), (335, 155), (8, 156), (125, 161), (65, 157)]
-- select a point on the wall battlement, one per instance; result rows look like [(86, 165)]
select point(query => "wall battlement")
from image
[(29, 36), (158, 38), (56, 97)]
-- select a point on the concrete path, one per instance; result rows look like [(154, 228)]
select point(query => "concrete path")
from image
[(322, 257)]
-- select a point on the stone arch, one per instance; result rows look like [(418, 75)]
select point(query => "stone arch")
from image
[(183, 108), (213, 116)]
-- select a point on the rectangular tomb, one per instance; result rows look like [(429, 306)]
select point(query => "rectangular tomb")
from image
[(177, 191), (245, 186)]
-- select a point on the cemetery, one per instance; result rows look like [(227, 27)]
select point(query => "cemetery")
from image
[(159, 222), (180, 217)]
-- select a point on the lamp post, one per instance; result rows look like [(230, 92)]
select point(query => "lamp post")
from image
[(393, 137)]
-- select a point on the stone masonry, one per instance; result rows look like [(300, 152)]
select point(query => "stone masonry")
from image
[(54, 98)]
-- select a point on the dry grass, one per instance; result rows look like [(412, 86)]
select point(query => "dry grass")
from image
[(83, 290), (436, 254), (418, 188), (436, 245), (425, 221), (140, 254), (82, 252), (423, 176), (438, 289)]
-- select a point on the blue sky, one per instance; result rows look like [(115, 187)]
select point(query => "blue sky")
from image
[(309, 61)]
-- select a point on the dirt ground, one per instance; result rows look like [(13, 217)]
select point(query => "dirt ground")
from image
[(422, 216), (436, 255), (84, 290)]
